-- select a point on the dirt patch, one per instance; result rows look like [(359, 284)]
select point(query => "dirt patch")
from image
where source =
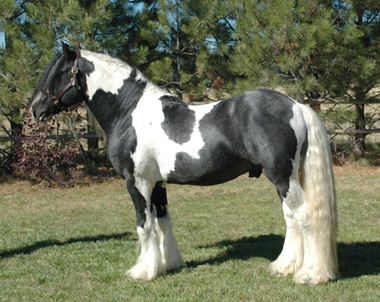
[(355, 168)]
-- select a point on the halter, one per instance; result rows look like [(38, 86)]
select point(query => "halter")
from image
[(73, 82)]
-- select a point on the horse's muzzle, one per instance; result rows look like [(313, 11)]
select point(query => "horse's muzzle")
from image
[(42, 110)]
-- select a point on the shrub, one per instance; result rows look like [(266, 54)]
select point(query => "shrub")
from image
[(38, 155)]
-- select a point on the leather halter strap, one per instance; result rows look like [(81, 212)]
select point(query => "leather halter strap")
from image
[(73, 82)]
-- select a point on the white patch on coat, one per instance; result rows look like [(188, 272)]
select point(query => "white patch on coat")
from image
[(155, 153), (298, 125), (109, 73), (291, 257)]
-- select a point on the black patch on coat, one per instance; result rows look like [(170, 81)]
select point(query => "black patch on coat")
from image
[(255, 171), (247, 133), (85, 68), (114, 114), (159, 200), (179, 119), (273, 139), (138, 200)]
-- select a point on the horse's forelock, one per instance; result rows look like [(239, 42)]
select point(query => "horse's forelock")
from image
[(55, 66), (47, 75)]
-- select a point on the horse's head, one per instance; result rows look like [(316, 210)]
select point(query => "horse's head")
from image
[(60, 87)]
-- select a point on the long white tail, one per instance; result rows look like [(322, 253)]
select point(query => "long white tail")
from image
[(317, 180)]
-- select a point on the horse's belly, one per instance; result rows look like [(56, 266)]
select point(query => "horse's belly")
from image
[(207, 172)]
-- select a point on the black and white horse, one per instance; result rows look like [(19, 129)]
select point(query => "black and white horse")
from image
[(154, 138)]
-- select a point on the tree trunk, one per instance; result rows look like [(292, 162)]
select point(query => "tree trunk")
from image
[(16, 130), (93, 143), (359, 142), (180, 93)]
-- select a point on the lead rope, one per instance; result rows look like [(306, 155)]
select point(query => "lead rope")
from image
[(75, 134)]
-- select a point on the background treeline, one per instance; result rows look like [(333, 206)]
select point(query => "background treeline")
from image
[(205, 50)]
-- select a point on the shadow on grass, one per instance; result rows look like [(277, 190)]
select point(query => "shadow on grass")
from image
[(264, 246), (359, 259), (355, 259), (55, 242)]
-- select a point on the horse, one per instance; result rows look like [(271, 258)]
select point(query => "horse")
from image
[(154, 138)]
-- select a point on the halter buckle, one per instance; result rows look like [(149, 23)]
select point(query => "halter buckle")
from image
[(54, 100), (74, 70), (74, 83)]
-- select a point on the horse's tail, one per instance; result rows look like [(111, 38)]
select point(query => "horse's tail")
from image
[(317, 180)]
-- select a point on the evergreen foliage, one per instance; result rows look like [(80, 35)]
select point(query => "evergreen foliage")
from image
[(315, 49), (355, 62), (285, 44)]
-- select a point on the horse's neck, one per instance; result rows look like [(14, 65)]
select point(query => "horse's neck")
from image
[(114, 89), (108, 74)]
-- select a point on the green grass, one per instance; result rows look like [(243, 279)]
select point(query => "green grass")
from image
[(76, 244)]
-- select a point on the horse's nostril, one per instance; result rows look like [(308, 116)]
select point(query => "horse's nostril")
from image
[(34, 112), (37, 114)]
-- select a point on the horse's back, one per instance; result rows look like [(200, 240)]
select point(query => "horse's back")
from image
[(257, 122)]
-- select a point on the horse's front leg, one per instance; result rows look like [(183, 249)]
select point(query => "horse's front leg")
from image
[(171, 256), (159, 251), (149, 264)]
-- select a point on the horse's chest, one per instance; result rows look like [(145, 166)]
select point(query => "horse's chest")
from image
[(157, 146)]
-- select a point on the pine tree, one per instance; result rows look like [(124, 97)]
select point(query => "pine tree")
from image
[(20, 61), (355, 63), (281, 44), (311, 49), (33, 31), (193, 47)]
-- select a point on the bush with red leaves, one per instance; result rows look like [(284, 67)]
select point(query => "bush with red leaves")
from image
[(36, 152)]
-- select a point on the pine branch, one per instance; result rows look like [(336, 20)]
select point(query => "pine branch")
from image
[(19, 10)]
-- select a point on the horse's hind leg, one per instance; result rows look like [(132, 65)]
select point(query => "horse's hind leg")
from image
[(303, 253), (171, 257), (290, 259)]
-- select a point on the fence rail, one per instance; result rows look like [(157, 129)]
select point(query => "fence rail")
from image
[(352, 131), (61, 136)]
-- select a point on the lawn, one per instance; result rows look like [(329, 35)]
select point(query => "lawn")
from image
[(76, 244)]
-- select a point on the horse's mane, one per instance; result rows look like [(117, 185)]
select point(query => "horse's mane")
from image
[(106, 58), (120, 65), (117, 64)]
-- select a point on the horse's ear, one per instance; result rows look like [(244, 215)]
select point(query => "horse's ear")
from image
[(68, 53)]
